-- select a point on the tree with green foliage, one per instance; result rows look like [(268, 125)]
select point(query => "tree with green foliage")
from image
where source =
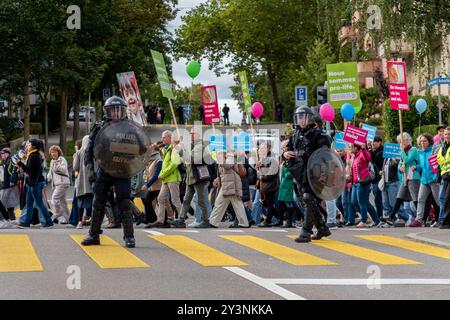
[(254, 34)]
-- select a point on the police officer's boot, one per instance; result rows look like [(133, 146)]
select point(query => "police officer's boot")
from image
[(93, 238), (125, 207), (308, 223), (322, 229)]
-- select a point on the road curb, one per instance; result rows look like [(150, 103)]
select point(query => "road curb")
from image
[(417, 237)]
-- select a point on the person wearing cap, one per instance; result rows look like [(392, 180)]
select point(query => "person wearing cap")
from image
[(9, 194)]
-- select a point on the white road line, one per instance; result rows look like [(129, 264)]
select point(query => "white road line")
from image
[(360, 282), (272, 287), (273, 231), (226, 230), (154, 233)]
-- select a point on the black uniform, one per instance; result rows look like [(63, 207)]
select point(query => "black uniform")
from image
[(304, 142), (102, 184)]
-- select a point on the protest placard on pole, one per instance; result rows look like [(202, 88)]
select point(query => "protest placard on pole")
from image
[(164, 81), (343, 84), (398, 92), (355, 135), (210, 105)]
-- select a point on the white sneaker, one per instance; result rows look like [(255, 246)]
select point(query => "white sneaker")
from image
[(37, 226), (194, 224), (80, 225)]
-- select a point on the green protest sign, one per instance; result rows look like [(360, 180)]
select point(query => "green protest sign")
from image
[(163, 76), (245, 91), (343, 84)]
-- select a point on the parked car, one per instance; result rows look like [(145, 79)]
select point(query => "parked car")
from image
[(83, 114)]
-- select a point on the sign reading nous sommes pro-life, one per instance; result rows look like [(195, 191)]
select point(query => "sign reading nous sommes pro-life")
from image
[(343, 84)]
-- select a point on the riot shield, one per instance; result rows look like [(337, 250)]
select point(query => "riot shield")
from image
[(326, 174), (121, 149)]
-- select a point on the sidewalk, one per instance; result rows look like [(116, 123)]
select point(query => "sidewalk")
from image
[(435, 237)]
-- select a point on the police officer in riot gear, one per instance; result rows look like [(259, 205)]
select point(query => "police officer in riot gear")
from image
[(115, 111), (307, 139)]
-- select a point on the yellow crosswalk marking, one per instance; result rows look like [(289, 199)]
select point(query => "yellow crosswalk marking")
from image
[(18, 255), (110, 255), (198, 252), (278, 251), (362, 253), (409, 245), (18, 212)]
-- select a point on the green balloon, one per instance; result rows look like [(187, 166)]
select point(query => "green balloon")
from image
[(358, 107), (193, 69)]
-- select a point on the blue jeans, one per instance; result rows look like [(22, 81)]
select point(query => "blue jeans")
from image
[(331, 211), (198, 210), (378, 199), (360, 195), (441, 202), (347, 207), (258, 208), (390, 197), (34, 196)]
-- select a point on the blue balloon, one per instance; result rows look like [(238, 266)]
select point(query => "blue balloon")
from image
[(421, 105), (348, 111)]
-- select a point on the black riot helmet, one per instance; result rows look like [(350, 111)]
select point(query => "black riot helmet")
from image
[(115, 108), (303, 118)]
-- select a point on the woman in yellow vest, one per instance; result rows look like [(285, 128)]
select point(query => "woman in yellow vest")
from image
[(444, 163)]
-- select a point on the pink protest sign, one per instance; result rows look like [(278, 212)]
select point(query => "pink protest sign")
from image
[(398, 85), (355, 135), (433, 161), (210, 105)]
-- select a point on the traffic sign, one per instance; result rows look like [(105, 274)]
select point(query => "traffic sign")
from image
[(106, 93), (437, 81), (301, 96)]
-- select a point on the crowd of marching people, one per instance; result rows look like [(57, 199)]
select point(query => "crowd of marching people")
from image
[(244, 188)]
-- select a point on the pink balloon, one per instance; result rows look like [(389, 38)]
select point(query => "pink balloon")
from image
[(327, 112), (257, 110)]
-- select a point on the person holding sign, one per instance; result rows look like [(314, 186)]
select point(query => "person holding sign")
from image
[(444, 163), (410, 179), (428, 179)]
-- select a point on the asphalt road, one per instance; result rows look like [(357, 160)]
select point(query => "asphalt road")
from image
[(174, 267)]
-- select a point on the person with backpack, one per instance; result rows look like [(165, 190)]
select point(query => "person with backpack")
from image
[(362, 177), (197, 181), (268, 184), (229, 183)]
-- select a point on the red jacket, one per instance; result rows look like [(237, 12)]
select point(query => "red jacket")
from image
[(360, 168)]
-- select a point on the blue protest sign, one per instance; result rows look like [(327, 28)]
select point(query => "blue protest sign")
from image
[(217, 143), (242, 142), (187, 111), (391, 151), (251, 89), (339, 143), (372, 131)]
